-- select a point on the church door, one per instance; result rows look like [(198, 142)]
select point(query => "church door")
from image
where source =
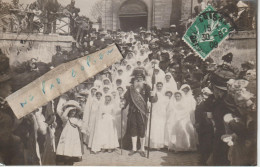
[(133, 15)]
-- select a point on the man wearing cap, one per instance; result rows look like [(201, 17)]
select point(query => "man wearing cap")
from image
[(137, 96)]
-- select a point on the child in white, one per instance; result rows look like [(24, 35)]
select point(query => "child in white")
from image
[(107, 128), (93, 129), (70, 143)]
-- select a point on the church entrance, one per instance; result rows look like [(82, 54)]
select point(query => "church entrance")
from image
[(133, 15), (133, 23)]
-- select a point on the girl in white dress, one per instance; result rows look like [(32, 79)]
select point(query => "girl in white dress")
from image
[(117, 111), (170, 83), (189, 99), (158, 119), (95, 116), (70, 146), (107, 129), (169, 112), (182, 136), (88, 114)]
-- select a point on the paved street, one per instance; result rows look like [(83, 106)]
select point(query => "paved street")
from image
[(157, 158)]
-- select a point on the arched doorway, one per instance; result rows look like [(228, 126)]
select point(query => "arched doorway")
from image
[(133, 15)]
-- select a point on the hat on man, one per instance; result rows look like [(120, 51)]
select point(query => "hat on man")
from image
[(58, 48), (221, 76), (138, 72), (228, 57), (248, 64)]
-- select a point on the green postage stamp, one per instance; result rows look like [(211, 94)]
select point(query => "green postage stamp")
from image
[(207, 31)]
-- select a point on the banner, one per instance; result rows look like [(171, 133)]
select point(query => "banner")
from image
[(61, 79)]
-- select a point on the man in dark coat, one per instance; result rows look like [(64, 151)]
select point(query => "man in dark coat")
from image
[(11, 147), (74, 53), (59, 57), (137, 96), (205, 129), (221, 106), (165, 61)]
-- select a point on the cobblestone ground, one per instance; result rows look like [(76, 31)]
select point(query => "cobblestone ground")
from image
[(157, 158)]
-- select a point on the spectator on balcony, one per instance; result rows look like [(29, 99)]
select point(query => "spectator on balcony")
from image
[(50, 10), (73, 13)]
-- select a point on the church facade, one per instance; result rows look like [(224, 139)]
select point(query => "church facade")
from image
[(133, 14)]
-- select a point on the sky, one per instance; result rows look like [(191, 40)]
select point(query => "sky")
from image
[(84, 5)]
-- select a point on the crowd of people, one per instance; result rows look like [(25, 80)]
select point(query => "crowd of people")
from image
[(241, 14), (47, 16), (198, 106)]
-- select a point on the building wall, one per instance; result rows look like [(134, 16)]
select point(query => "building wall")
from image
[(39, 46), (186, 10), (241, 44), (162, 13)]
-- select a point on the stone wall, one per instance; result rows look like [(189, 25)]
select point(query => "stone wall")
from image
[(162, 13), (241, 44), (23, 47), (186, 10)]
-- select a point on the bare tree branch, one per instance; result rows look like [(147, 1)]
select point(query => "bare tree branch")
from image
[(96, 10)]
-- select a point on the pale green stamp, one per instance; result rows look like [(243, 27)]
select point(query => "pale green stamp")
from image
[(208, 30)]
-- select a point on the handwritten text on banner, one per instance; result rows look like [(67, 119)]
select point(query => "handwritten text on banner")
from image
[(61, 79)]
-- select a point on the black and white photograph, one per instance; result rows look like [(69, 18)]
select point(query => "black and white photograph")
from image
[(128, 82)]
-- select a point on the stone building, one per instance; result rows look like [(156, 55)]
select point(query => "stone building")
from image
[(132, 14)]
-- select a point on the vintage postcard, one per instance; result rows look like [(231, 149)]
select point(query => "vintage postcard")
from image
[(128, 82)]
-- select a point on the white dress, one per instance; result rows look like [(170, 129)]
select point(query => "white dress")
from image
[(158, 122), (87, 113), (70, 143), (107, 128), (182, 136), (169, 123), (118, 115), (94, 118)]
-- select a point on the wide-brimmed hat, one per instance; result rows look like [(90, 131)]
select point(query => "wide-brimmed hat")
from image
[(248, 64), (221, 76), (72, 103)]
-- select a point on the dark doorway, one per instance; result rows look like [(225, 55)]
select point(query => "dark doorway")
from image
[(133, 23), (133, 15)]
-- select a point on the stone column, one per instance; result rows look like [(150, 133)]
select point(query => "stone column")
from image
[(107, 17), (149, 14), (176, 11)]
